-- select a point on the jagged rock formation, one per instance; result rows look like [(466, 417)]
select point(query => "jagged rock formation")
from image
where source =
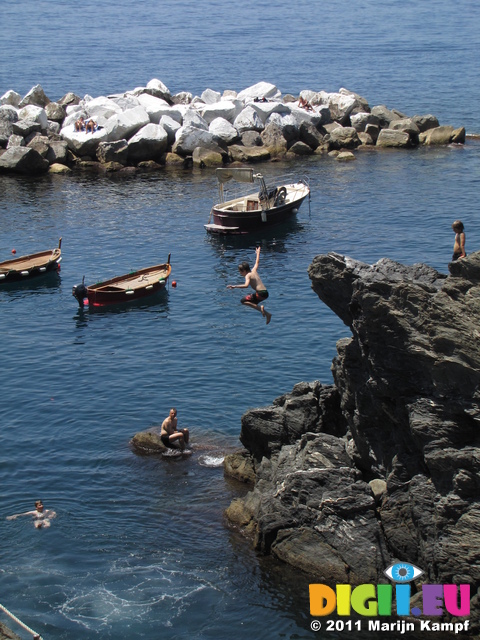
[(7, 634), (384, 465)]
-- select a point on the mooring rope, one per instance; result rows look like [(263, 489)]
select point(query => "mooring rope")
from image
[(35, 635)]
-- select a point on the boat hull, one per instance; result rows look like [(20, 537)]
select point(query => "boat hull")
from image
[(127, 288), (237, 218), (32, 266), (105, 298)]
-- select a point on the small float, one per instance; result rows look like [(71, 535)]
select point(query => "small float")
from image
[(36, 264), (135, 285), (268, 206)]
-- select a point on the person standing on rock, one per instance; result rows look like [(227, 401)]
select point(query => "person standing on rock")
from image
[(252, 279), (459, 245)]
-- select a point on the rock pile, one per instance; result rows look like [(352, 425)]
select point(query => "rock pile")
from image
[(148, 127), (384, 465)]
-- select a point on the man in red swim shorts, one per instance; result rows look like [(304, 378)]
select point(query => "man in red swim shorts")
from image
[(252, 279)]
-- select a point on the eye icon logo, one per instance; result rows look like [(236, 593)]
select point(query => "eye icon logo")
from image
[(402, 572)]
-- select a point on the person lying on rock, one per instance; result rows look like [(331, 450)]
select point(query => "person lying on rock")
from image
[(41, 517), (170, 434), (459, 245), (252, 279), (80, 124), (90, 125), (304, 104)]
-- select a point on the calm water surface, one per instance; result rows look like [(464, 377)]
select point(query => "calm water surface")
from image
[(140, 548), (419, 57)]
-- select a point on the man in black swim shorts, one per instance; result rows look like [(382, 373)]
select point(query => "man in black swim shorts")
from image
[(252, 279), (170, 434)]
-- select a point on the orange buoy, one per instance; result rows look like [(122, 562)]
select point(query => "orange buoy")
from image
[(174, 283), (14, 251)]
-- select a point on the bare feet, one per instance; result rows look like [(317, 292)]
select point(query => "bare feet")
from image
[(268, 316)]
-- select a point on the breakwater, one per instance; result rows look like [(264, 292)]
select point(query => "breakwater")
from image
[(148, 127)]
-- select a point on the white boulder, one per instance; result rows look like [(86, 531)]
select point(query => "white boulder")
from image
[(287, 123), (192, 118), (341, 105), (210, 97), (171, 126), (248, 120), (260, 90), (188, 138), (73, 108), (225, 109), (8, 113), (223, 129), (126, 124), (82, 143), (125, 101), (158, 89), (36, 96), (360, 121), (265, 109), (101, 106), (148, 143), (155, 107), (302, 115), (37, 114), (11, 97)]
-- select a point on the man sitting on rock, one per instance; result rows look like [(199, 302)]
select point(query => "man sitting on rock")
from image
[(170, 434), (80, 124)]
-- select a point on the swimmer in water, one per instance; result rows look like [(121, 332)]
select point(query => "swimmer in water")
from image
[(41, 516)]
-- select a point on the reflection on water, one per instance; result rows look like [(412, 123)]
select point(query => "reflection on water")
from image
[(44, 283)]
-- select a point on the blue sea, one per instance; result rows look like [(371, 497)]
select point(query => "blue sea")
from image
[(140, 548)]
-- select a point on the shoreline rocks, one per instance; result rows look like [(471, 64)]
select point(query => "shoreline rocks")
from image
[(153, 126), (384, 465)]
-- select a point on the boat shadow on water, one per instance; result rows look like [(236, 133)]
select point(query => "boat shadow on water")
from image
[(275, 236), (43, 283)]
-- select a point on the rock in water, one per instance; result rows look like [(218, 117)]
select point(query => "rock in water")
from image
[(402, 418)]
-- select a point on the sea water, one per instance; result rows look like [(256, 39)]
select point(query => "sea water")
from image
[(140, 547)]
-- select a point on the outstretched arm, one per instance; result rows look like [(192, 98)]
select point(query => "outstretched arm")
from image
[(257, 261), (16, 515)]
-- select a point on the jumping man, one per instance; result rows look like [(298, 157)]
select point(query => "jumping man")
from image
[(252, 279)]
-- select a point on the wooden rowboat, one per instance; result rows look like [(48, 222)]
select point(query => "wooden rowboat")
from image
[(132, 286), (31, 266)]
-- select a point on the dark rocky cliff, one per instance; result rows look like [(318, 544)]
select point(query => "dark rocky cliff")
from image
[(383, 465)]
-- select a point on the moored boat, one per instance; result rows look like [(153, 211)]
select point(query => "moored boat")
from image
[(132, 286), (30, 266), (268, 206)]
